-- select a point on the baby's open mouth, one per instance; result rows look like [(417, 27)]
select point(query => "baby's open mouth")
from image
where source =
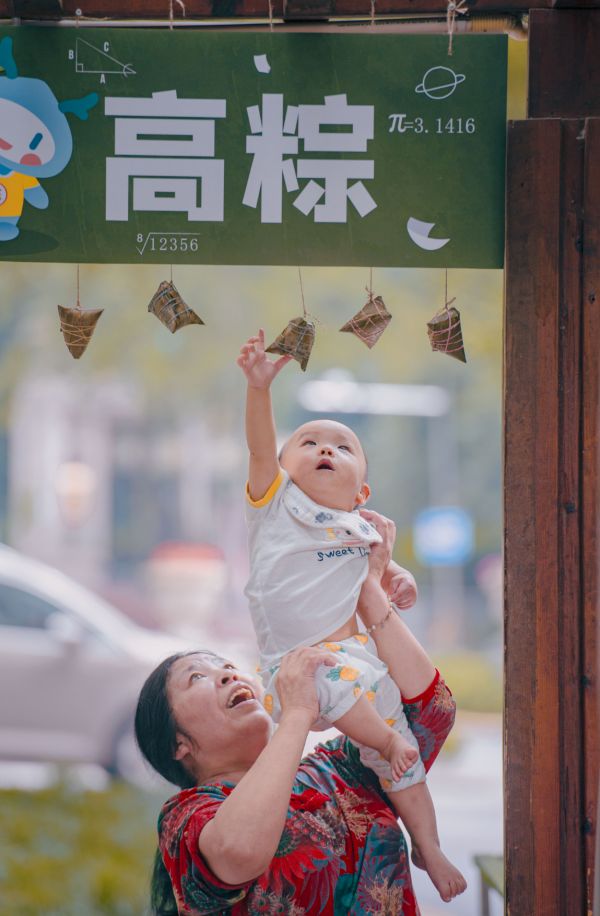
[(325, 465), (240, 695)]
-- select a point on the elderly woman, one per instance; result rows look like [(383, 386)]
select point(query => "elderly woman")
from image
[(259, 829)]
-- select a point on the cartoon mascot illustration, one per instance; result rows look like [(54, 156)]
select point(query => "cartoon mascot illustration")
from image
[(35, 139)]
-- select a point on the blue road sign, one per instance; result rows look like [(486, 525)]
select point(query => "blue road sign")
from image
[(443, 536)]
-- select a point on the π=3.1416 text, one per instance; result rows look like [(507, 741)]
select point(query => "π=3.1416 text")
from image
[(401, 124)]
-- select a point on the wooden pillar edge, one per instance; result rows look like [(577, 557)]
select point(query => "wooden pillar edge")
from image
[(590, 496), (569, 670), (532, 748)]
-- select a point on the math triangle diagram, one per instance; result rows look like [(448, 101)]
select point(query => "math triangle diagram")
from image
[(91, 59)]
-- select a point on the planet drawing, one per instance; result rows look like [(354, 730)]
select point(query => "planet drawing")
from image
[(439, 82)]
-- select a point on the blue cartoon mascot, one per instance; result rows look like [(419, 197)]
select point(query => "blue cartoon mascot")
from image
[(35, 139)]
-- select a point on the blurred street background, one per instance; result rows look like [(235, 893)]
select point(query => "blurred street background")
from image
[(125, 471), (121, 505)]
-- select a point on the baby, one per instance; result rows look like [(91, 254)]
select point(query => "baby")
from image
[(308, 559)]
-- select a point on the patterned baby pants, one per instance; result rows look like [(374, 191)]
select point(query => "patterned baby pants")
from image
[(359, 672)]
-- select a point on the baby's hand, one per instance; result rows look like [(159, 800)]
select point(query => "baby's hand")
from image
[(256, 366), (402, 589)]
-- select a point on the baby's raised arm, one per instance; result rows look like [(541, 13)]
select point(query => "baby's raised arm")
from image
[(260, 424)]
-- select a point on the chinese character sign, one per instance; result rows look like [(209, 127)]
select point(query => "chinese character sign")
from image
[(175, 174), (135, 146), (275, 134)]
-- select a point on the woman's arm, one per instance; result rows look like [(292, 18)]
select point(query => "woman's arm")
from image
[(408, 663), (241, 840), (428, 703)]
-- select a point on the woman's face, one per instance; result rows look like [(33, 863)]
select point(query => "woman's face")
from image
[(222, 723)]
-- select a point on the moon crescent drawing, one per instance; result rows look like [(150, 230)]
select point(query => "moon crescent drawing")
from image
[(261, 62), (419, 233)]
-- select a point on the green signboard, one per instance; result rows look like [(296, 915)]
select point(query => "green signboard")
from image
[(147, 146)]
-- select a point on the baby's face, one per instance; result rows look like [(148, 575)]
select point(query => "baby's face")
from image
[(325, 459)]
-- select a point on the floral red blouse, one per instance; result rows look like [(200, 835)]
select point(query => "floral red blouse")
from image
[(342, 851)]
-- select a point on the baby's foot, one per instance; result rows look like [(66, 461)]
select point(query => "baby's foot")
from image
[(447, 879), (400, 755)]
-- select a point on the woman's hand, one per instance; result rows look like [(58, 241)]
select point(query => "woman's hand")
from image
[(296, 680), (381, 554), (398, 583), (373, 602)]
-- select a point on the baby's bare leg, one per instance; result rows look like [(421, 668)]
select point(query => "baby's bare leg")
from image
[(364, 725), (415, 807)]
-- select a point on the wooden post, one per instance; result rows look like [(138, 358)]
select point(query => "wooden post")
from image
[(552, 347), (532, 820), (590, 496)]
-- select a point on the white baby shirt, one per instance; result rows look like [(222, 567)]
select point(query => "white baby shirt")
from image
[(307, 565)]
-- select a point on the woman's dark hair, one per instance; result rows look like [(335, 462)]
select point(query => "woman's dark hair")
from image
[(156, 728), (156, 735)]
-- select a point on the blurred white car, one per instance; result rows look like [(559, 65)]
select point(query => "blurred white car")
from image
[(71, 667)]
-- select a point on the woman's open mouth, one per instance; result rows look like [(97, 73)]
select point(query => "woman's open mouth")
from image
[(240, 694)]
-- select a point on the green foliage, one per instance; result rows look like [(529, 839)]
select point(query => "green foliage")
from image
[(475, 682), (67, 853)]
